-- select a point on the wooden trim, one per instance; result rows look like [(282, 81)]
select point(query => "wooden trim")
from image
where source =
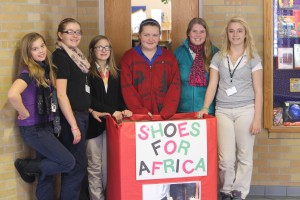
[(182, 13), (118, 25), (268, 64)]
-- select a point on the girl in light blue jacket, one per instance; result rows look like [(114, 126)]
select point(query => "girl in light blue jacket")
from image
[(194, 57)]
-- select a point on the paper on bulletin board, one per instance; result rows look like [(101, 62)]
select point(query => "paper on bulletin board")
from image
[(285, 58), (294, 84)]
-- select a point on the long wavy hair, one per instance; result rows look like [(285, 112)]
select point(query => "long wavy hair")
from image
[(36, 71), (249, 44), (113, 69), (207, 46)]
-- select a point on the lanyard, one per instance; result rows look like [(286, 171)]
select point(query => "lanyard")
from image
[(231, 74)]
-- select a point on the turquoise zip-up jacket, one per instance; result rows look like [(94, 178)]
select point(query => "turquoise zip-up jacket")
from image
[(191, 97)]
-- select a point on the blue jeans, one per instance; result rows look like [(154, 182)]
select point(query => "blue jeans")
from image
[(54, 157), (71, 181)]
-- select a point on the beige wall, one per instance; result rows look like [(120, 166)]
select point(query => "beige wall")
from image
[(88, 16), (276, 161), (18, 17), (217, 12)]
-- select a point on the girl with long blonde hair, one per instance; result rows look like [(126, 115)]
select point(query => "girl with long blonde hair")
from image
[(236, 75), (33, 95)]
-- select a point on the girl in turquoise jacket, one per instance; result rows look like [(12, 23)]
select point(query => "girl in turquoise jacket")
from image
[(194, 57)]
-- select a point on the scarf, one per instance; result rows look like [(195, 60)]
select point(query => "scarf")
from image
[(47, 102), (76, 55), (44, 94), (197, 75)]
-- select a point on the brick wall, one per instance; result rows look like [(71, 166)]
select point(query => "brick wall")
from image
[(217, 13), (276, 161), (88, 16), (18, 17)]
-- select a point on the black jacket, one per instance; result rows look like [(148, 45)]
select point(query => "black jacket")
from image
[(104, 102)]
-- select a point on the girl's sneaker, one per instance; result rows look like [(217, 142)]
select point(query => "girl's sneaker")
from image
[(225, 196), (236, 195)]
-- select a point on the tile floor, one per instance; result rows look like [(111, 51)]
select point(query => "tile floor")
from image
[(271, 198)]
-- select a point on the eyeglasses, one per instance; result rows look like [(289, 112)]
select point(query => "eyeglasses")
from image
[(71, 32), (101, 48)]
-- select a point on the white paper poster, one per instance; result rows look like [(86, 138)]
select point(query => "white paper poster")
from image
[(171, 149)]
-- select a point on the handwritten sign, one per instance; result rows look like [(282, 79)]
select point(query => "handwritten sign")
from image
[(171, 149)]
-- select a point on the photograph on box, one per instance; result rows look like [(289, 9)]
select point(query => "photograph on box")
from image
[(172, 191), (291, 113)]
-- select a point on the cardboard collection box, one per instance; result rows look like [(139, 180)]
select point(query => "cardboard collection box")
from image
[(123, 182)]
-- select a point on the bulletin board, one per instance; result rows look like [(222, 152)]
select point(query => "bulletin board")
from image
[(286, 62)]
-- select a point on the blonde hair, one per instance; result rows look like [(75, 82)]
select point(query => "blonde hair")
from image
[(36, 71), (207, 46), (249, 44), (113, 69)]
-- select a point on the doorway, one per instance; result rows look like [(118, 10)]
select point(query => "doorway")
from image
[(118, 23)]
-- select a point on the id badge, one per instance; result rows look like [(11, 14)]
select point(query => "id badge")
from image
[(87, 88), (231, 91), (53, 107)]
